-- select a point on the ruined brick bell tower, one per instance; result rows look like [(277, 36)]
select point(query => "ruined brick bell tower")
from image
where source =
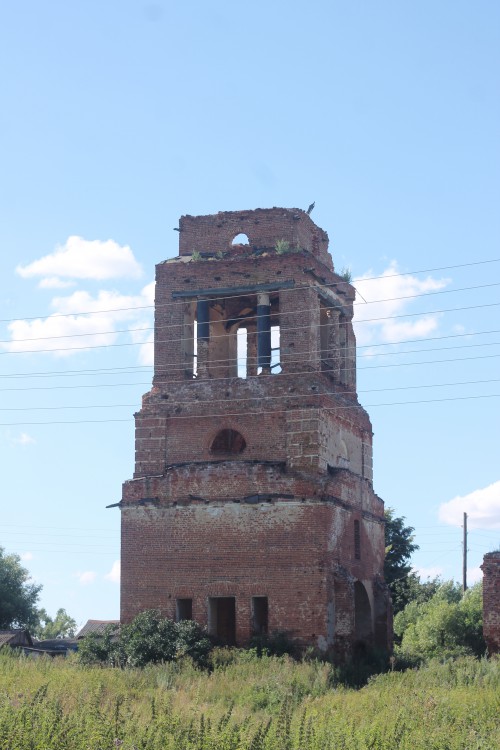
[(251, 509)]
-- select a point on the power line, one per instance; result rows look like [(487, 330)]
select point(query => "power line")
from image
[(248, 377), (247, 318), (98, 371), (51, 536), (85, 531), (301, 360), (192, 381), (84, 546), (148, 368), (298, 288), (70, 552), (73, 387), (370, 355), (294, 328), (259, 413), (289, 396), (59, 408), (57, 528)]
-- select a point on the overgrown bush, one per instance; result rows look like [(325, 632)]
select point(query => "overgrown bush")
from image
[(101, 649), (447, 625), (148, 639)]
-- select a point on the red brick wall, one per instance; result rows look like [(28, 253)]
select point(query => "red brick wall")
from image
[(277, 415), (263, 228), (491, 601), (283, 550), (299, 309)]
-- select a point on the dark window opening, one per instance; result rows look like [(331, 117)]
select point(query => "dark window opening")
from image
[(183, 609), (260, 613), (228, 441), (357, 541), (222, 619), (362, 614)]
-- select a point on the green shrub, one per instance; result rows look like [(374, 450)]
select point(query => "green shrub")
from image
[(346, 274), (148, 639), (192, 641), (447, 625), (101, 649)]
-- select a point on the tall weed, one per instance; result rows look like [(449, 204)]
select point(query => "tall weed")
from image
[(246, 703)]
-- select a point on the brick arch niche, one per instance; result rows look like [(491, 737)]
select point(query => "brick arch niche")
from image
[(228, 441), (363, 624)]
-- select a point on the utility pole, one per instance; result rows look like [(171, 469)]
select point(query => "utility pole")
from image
[(464, 571)]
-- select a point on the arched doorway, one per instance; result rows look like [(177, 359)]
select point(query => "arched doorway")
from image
[(363, 621)]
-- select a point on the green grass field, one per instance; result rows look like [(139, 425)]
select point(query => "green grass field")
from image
[(246, 703)]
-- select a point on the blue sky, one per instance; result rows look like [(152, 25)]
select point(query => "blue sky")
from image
[(117, 117)]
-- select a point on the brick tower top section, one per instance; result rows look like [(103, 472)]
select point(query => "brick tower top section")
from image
[(263, 227)]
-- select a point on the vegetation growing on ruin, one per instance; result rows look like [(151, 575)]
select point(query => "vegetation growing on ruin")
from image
[(282, 247), (246, 703), (346, 274)]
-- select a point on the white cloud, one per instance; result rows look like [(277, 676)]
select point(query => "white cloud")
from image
[(396, 294), (146, 352), (24, 439), (87, 577), (53, 282), (482, 507), (145, 337), (26, 556), (474, 575), (68, 329), (432, 572), (114, 573), (82, 320), (84, 259)]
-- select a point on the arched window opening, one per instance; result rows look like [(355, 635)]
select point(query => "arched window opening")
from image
[(363, 627), (275, 350), (240, 239), (242, 351), (228, 441)]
